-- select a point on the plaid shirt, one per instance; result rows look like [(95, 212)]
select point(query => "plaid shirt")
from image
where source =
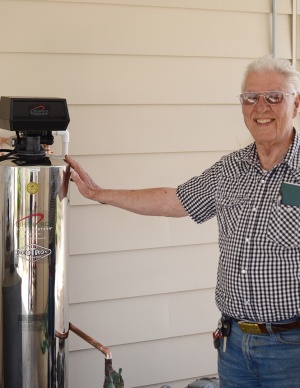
[(259, 237)]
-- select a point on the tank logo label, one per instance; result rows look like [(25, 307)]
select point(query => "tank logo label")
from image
[(39, 215), (32, 188), (35, 225), (40, 110), (33, 252)]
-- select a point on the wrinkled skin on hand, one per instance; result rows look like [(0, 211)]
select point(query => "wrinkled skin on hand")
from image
[(86, 186)]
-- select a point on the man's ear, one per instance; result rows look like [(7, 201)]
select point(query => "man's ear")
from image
[(296, 105)]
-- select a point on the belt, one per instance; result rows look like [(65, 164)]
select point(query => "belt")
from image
[(261, 328)]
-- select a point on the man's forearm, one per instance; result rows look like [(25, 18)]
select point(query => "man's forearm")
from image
[(161, 201)]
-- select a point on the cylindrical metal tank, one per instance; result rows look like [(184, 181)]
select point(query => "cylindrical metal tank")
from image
[(34, 325)]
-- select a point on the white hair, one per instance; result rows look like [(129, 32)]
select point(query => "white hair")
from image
[(280, 65)]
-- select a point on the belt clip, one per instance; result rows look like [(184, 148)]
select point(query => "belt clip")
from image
[(249, 328)]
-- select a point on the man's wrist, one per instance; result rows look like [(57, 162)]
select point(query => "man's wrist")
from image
[(100, 197)]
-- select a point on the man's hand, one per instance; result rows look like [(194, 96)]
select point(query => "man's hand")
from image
[(86, 186)]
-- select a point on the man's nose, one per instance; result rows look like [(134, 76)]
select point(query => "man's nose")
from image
[(261, 103)]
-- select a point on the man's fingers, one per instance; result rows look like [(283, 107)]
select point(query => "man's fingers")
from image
[(74, 176), (78, 181), (76, 168), (81, 178), (72, 162)]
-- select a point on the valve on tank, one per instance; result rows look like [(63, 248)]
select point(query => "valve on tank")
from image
[(33, 120)]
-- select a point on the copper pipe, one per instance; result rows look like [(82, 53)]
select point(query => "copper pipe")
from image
[(47, 149), (91, 341), (61, 336)]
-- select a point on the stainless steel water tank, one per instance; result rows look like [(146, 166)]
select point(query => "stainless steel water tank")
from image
[(34, 210)]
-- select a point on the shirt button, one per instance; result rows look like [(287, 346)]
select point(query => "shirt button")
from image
[(262, 181), (254, 209), (244, 271), (247, 240), (247, 302)]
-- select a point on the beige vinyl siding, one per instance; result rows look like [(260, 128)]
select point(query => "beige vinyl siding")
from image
[(125, 233), (147, 31), (130, 129), (220, 5), (160, 266), (152, 89), (163, 312)]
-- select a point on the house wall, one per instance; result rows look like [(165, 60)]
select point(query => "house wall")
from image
[(152, 90)]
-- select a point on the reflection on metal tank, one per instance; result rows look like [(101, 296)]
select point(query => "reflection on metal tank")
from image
[(34, 222)]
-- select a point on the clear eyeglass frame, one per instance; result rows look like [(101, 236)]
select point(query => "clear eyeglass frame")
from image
[(273, 97)]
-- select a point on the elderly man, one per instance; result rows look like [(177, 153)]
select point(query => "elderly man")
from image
[(255, 195)]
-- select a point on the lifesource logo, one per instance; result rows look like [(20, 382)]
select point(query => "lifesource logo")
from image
[(33, 252), (34, 222), (40, 110), (38, 217)]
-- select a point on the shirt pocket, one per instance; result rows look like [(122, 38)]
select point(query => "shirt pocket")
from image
[(284, 225), (229, 211)]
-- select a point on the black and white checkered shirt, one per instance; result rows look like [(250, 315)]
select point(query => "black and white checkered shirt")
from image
[(259, 237)]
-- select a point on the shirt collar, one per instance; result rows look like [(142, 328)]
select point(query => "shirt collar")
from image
[(292, 157)]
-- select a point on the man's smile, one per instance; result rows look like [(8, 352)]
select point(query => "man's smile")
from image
[(264, 121)]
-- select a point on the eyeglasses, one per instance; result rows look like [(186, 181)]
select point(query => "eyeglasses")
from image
[(272, 98)]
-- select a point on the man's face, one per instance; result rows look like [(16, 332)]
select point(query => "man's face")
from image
[(270, 124)]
